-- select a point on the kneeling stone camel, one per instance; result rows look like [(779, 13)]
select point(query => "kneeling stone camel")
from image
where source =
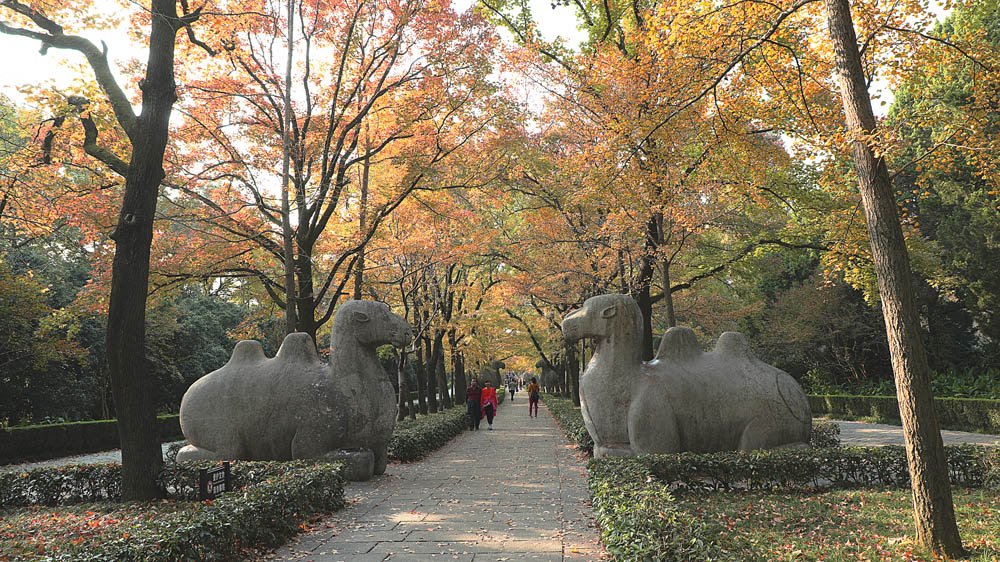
[(296, 407), (684, 399)]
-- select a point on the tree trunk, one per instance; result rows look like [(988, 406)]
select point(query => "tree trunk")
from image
[(431, 370), (286, 224), (643, 284), (418, 369), (404, 391), (133, 235), (668, 295), (306, 303), (573, 369), (458, 368), (933, 509), (359, 266), (443, 377)]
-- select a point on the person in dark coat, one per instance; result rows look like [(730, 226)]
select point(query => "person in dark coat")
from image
[(473, 396)]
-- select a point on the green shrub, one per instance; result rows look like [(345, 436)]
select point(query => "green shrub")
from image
[(966, 414), (269, 502), (570, 420), (33, 442), (639, 519), (824, 434), (426, 434)]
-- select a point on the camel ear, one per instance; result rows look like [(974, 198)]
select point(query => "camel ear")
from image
[(609, 312), (360, 317)]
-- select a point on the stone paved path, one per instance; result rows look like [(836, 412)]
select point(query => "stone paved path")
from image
[(862, 434), (114, 455), (518, 492)]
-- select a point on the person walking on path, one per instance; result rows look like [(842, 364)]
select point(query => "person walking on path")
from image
[(489, 403), (512, 388), (473, 404), (533, 396)]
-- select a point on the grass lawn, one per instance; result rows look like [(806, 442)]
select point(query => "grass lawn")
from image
[(31, 532), (838, 525)]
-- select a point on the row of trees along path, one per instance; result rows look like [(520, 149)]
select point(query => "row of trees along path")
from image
[(145, 138)]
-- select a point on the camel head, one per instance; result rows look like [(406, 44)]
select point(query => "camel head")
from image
[(615, 317), (370, 324)]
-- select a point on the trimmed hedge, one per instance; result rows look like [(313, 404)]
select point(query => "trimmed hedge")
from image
[(37, 442), (270, 501), (413, 439), (966, 414), (639, 520), (426, 434), (570, 420)]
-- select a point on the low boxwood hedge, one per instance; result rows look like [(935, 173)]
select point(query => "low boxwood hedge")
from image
[(965, 414), (638, 518), (570, 420), (36, 442), (426, 434), (270, 501), (414, 439), (634, 506)]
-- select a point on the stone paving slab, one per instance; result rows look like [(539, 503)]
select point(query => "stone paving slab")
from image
[(518, 492)]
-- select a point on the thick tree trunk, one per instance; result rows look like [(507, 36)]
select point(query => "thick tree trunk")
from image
[(933, 509), (668, 295), (458, 368), (439, 370), (305, 301), (643, 283), (133, 235)]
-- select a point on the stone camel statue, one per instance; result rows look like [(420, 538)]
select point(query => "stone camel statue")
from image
[(549, 378), (684, 399), (294, 406), (491, 372)]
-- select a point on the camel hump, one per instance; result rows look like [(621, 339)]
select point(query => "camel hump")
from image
[(679, 344), (247, 351), (733, 344), (298, 346)]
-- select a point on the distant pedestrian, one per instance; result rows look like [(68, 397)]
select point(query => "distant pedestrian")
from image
[(533, 396), (473, 401), (512, 388), (489, 403)]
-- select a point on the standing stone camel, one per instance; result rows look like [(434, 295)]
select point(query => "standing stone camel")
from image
[(549, 378), (296, 407), (491, 372), (684, 399)]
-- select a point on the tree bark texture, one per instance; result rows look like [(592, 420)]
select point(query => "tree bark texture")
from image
[(133, 235), (403, 403), (573, 369), (932, 500), (458, 367), (431, 370), (286, 218)]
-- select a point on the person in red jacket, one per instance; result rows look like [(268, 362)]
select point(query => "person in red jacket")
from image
[(489, 403)]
